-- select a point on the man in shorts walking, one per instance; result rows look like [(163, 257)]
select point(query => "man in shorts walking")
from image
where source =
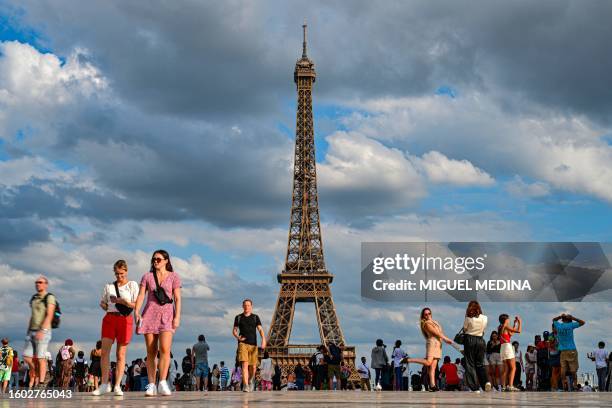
[(199, 356), (246, 326), (567, 347), (39, 331)]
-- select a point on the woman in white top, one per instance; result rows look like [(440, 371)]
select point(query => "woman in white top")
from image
[(474, 345), (118, 301)]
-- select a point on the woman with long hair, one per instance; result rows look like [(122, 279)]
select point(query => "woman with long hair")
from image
[(493, 349), (507, 353), (434, 336), (95, 369), (118, 301), (160, 318), (474, 347)]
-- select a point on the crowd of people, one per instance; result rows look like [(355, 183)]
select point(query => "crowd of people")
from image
[(550, 363)]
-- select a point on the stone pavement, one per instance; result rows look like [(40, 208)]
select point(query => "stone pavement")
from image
[(322, 399)]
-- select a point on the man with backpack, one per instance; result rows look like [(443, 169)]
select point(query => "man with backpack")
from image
[(43, 305), (6, 364), (333, 357)]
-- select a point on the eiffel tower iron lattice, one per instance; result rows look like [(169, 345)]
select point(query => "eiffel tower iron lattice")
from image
[(305, 277)]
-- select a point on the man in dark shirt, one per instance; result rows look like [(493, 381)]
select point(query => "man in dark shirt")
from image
[(246, 326)]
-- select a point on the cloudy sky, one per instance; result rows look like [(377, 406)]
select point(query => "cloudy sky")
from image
[(131, 126)]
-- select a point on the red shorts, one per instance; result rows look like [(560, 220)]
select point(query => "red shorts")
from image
[(117, 327)]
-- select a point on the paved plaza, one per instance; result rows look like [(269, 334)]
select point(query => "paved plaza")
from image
[(321, 399)]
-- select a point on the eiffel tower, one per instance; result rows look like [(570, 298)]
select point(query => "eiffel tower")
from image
[(305, 277)]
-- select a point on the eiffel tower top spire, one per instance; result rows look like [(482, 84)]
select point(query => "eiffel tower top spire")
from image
[(304, 43)]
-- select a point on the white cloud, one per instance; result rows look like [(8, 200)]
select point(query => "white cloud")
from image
[(35, 87), (366, 173), (441, 169), (564, 151), (520, 188)]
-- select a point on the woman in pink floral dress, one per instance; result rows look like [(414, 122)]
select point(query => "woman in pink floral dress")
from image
[(160, 318)]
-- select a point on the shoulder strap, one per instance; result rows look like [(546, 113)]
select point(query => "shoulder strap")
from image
[(156, 281), (117, 287)]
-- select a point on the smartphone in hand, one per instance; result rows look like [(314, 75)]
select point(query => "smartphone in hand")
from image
[(113, 298)]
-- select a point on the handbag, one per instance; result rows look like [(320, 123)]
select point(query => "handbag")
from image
[(460, 337), (123, 309), (160, 293)]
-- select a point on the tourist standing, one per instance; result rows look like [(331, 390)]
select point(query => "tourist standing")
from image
[(67, 354), (80, 371), (397, 355), (199, 356), (6, 364), (495, 366), (333, 358), (224, 375), (530, 366), (246, 326), (507, 351), (518, 355), (277, 377), (160, 318), (474, 348), (434, 336), (266, 372), (567, 347), (118, 301), (43, 306), (298, 371), (214, 378), (600, 357), (15, 372), (95, 369), (378, 359)]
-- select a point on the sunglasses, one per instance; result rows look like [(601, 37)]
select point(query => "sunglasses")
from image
[(156, 260), (40, 282)]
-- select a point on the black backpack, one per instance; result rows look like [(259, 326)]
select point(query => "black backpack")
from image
[(57, 315), (336, 354)]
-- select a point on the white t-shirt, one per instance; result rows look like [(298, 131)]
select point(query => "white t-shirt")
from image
[(600, 358), (363, 367), (406, 372), (397, 356), (460, 371), (475, 326), (128, 292), (266, 369)]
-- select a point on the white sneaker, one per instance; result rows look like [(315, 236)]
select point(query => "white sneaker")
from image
[(118, 391), (488, 387), (150, 390), (102, 389), (163, 389)]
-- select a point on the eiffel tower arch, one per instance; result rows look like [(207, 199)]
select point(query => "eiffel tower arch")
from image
[(305, 277)]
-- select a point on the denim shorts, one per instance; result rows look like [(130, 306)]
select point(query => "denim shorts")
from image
[(34, 347), (201, 370)]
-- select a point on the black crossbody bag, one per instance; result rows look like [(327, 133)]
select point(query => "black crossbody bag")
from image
[(160, 293), (123, 309)]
